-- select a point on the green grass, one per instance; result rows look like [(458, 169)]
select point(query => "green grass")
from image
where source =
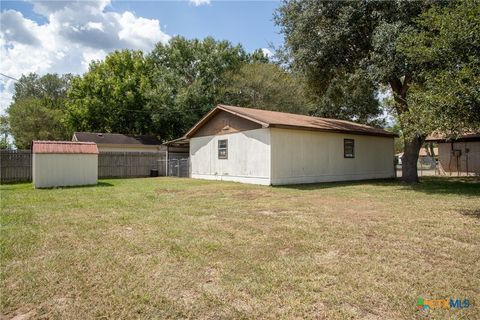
[(181, 248)]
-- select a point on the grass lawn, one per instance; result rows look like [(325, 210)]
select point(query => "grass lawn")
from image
[(181, 248)]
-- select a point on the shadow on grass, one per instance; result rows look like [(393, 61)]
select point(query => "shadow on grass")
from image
[(474, 213), (100, 184), (429, 185), (23, 185), (328, 185), (448, 185)]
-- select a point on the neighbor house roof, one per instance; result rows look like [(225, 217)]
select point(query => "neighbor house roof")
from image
[(269, 119), (64, 147), (422, 152), (116, 138), (438, 137)]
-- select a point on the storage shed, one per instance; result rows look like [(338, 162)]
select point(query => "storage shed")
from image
[(276, 148), (64, 163), (460, 155)]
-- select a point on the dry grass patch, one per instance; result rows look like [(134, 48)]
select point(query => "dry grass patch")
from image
[(180, 248)]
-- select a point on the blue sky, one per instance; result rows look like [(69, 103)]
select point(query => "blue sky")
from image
[(247, 22), (64, 36)]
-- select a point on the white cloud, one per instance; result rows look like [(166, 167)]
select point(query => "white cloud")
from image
[(267, 52), (197, 3), (75, 33)]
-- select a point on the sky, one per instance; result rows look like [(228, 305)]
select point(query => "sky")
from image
[(64, 36)]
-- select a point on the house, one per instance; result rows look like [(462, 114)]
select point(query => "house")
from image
[(116, 142), (276, 148), (64, 163), (458, 155)]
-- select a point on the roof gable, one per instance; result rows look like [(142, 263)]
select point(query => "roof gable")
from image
[(270, 119), (223, 122)]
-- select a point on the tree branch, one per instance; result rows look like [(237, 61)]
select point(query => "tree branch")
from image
[(399, 93)]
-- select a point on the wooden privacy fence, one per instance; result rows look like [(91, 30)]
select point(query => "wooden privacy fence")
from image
[(15, 165), (128, 164)]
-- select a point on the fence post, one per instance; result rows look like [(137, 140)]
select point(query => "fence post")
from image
[(166, 163)]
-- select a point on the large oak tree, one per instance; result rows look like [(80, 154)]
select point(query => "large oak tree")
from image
[(446, 47), (332, 40)]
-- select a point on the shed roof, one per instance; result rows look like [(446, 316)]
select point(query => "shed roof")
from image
[(292, 121), (62, 147), (117, 138)]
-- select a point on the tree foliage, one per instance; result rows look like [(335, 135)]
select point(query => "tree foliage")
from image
[(110, 97), (162, 93), (447, 48), (349, 97), (266, 86), (345, 50), (4, 132), (188, 78), (38, 108)]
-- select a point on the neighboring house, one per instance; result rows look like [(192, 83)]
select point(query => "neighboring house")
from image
[(458, 155), (424, 155), (119, 142), (275, 148)]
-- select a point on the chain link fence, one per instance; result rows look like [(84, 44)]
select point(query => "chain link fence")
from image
[(452, 166), (174, 167)]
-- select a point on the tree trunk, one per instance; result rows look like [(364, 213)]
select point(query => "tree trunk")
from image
[(411, 146), (410, 158)]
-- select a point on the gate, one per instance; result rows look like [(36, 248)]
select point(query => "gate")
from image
[(174, 167)]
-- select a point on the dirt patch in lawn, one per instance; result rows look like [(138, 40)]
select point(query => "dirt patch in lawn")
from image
[(163, 191)]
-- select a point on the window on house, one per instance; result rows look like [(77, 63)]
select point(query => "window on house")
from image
[(348, 148), (223, 149)]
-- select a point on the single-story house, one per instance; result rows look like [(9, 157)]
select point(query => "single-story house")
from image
[(117, 142), (275, 148), (64, 163), (458, 155)]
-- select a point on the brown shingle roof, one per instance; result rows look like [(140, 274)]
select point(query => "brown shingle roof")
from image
[(438, 137), (64, 147), (293, 121), (116, 138)]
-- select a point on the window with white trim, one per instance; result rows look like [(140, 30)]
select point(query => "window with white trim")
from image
[(223, 149), (348, 148)]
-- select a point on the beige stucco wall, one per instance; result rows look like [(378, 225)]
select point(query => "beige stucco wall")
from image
[(126, 148), (55, 170), (468, 161), (300, 156), (248, 157)]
